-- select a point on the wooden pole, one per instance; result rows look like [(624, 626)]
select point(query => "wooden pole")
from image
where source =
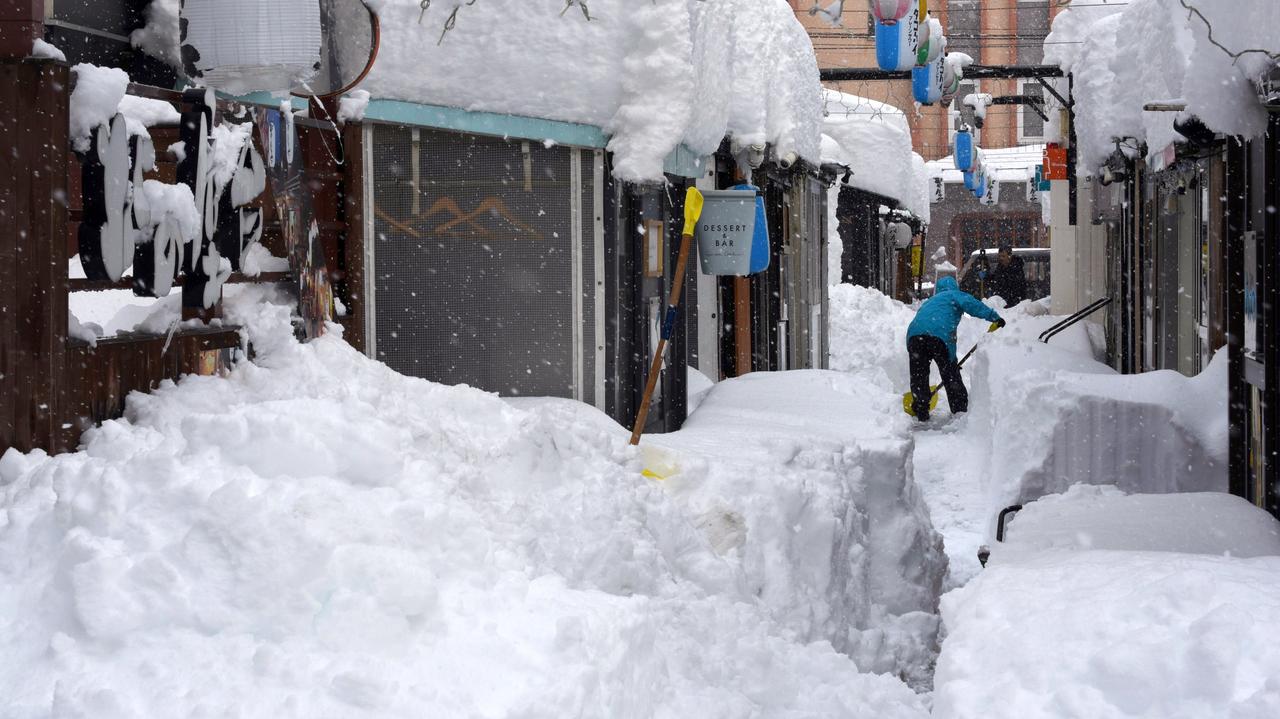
[(668, 324), (742, 325)]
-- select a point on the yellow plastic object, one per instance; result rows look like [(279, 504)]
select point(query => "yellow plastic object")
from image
[(993, 327), (908, 400), (692, 210), (659, 463)]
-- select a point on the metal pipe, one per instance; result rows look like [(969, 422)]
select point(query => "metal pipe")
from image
[(1004, 513)]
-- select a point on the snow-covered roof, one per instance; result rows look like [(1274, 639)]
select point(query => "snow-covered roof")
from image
[(1127, 53), (1010, 164), (651, 74), (874, 140)]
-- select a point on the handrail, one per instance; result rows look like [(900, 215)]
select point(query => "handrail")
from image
[(984, 552), (1074, 318), (1004, 514)]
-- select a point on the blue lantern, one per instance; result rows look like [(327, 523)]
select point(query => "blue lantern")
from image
[(962, 150), (926, 82)]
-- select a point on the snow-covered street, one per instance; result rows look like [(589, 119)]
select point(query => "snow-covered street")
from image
[(329, 538), (639, 359)]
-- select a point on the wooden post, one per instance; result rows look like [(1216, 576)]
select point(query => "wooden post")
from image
[(352, 285), (33, 251), (742, 325)]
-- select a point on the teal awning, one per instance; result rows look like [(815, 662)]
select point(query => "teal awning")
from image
[(682, 161)]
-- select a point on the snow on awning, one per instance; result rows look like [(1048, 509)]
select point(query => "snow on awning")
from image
[(651, 75), (1009, 164), (874, 140)]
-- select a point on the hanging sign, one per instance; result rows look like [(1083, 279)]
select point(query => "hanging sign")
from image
[(726, 232), (1055, 162), (991, 197), (897, 44), (939, 190)]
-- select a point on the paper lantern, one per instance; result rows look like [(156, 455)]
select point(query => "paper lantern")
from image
[(962, 150), (898, 234), (243, 46), (897, 43), (969, 180), (889, 12), (926, 83)]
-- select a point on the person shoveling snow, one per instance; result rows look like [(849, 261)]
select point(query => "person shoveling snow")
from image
[(931, 337)]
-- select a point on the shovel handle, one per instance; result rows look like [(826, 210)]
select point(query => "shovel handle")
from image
[(668, 328)]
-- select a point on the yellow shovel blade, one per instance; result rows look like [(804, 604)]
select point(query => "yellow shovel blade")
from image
[(659, 463), (692, 210), (908, 400)]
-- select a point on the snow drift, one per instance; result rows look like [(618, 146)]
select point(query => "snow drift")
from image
[(1106, 605), (315, 535)]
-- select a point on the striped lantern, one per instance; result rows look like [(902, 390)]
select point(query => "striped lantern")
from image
[(889, 12)]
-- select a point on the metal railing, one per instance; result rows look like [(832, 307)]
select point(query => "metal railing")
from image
[(1074, 318)]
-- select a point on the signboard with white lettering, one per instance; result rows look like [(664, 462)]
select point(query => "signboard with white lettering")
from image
[(725, 231)]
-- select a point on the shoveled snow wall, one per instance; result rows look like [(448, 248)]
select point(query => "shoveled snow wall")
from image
[(821, 511), (1052, 425)]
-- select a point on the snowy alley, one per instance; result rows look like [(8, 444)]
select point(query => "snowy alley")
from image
[(639, 359)]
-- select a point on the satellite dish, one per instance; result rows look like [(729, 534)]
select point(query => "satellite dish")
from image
[(348, 47)]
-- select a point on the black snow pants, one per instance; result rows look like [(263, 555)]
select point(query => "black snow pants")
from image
[(923, 349)]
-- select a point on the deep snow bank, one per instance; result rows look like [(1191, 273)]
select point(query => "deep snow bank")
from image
[(811, 490), (315, 535), (1042, 417), (1054, 421), (1100, 517), (1106, 605)]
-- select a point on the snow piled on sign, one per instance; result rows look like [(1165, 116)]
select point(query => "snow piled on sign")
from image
[(1106, 605), (873, 140), (315, 535), (1126, 54), (652, 74)]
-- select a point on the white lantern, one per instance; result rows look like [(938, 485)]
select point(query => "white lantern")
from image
[(889, 11), (243, 46), (898, 234)]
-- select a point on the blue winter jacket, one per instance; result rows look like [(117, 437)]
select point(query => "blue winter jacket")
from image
[(940, 315)]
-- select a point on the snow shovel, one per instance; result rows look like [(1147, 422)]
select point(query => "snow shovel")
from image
[(908, 400), (692, 211)]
